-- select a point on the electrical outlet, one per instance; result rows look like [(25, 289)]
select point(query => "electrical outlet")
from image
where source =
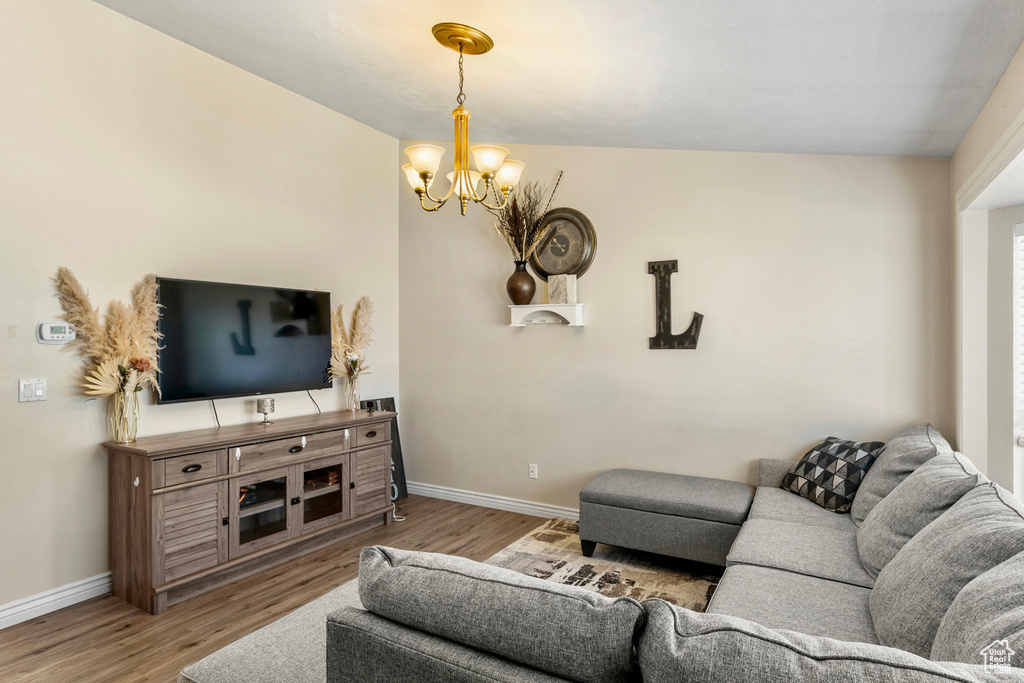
[(533, 471)]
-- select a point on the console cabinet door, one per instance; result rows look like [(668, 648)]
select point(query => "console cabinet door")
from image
[(189, 531), (325, 486), (370, 490), (260, 510)]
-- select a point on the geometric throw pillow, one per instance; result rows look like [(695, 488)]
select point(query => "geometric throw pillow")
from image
[(830, 473)]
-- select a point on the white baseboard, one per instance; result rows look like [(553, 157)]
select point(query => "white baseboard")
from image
[(52, 600), (488, 500)]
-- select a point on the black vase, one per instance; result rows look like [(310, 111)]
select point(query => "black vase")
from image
[(521, 286)]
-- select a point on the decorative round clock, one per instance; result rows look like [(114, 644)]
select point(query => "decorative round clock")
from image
[(569, 246)]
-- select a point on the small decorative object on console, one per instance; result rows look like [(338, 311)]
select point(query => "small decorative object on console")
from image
[(348, 346), (265, 406), (119, 353), (830, 473)]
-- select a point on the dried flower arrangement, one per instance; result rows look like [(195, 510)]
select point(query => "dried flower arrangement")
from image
[(120, 353), (348, 345), (519, 220)]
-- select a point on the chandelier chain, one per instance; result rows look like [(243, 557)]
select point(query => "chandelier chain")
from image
[(462, 96)]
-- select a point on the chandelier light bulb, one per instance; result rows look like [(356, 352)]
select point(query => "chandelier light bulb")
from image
[(414, 178), (460, 191), (509, 173), (488, 158), (425, 158)]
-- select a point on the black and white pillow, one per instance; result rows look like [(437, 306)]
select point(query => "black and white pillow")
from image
[(831, 472)]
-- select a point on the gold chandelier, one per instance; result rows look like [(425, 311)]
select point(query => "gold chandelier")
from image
[(499, 174)]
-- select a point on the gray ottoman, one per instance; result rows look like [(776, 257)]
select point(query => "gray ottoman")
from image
[(695, 518)]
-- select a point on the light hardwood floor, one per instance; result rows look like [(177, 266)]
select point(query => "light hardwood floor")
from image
[(107, 640)]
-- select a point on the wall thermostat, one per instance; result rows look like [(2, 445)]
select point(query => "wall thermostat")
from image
[(54, 332)]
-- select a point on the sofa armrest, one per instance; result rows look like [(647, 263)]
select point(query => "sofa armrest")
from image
[(770, 471), (366, 648)]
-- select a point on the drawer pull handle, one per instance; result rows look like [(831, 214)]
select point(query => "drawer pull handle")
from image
[(370, 435), (295, 449), (296, 500), (189, 469)]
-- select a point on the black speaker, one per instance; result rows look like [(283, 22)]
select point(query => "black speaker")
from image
[(398, 487)]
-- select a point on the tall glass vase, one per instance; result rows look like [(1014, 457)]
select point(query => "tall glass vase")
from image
[(352, 393), (124, 417)]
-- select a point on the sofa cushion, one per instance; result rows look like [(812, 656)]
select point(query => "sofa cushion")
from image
[(815, 551), (679, 495), (680, 645), (774, 503), (363, 647), (564, 630), (917, 587), (903, 454), (779, 599), (988, 609), (830, 473), (919, 499)]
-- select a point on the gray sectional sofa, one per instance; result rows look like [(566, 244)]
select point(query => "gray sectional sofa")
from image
[(922, 581)]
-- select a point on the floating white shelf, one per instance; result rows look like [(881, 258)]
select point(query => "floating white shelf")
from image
[(547, 314)]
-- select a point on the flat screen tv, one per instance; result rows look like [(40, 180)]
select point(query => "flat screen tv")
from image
[(221, 340)]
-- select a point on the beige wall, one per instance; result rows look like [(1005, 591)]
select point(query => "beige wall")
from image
[(826, 286), (123, 152)]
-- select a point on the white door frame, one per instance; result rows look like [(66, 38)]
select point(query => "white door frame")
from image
[(972, 377)]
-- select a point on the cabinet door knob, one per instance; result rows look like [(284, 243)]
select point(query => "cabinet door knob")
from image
[(224, 521), (136, 482), (189, 469), (351, 484), (296, 500)]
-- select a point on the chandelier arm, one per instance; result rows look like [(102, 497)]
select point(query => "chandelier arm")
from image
[(437, 205), (442, 200), (499, 206)]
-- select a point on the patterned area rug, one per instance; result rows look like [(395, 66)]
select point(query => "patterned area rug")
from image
[(552, 552)]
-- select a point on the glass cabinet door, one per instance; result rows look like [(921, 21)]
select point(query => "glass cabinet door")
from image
[(324, 492), (259, 511)]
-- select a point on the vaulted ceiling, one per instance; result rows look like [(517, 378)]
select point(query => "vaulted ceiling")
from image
[(862, 77)]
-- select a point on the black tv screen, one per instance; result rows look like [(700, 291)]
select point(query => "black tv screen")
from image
[(222, 340)]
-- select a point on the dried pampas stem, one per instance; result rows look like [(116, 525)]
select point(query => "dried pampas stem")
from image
[(127, 339), (348, 344)]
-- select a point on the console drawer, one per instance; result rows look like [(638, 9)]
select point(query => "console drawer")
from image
[(286, 451), (195, 467), (371, 434)]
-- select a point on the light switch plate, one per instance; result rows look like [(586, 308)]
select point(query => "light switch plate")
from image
[(31, 390)]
